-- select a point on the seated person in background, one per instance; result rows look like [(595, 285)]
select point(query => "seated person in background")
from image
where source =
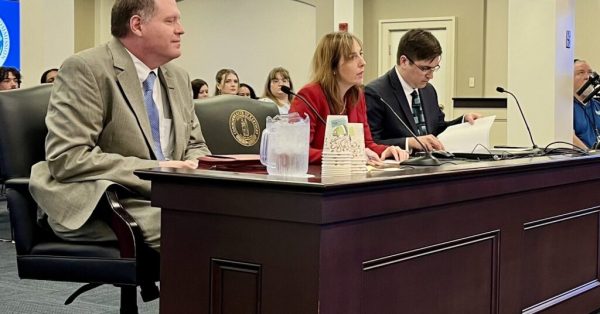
[(247, 91), (228, 82), (335, 89), (130, 109), (10, 78), (276, 78), (586, 117), (199, 89), (49, 76), (406, 89)]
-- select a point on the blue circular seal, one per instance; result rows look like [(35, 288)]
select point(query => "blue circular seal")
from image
[(4, 42)]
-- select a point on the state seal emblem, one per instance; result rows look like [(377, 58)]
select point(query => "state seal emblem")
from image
[(4, 42), (244, 127)]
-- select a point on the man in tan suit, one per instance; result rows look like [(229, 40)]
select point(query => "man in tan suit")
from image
[(108, 116)]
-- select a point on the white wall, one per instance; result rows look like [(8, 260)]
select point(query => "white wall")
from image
[(586, 35), (542, 79), (102, 21), (47, 36), (496, 49), (251, 37), (351, 12)]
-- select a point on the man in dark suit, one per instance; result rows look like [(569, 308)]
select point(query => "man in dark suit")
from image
[(407, 90)]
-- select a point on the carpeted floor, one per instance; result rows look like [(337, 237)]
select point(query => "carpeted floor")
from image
[(34, 296)]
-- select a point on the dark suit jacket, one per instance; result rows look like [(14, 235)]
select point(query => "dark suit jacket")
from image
[(385, 127)]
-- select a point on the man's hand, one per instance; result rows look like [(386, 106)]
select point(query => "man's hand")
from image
[(430, 141), (471, 117), (185, 164)]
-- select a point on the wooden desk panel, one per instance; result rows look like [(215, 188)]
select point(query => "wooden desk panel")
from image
[(508, 237)]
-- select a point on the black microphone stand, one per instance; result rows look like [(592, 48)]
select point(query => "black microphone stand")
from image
[(535, 150), (289, 91)]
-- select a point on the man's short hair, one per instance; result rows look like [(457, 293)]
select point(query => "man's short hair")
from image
[(418, 44), (4, 74), (123, 10)]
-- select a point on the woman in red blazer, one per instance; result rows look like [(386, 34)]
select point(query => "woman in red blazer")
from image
[(338, 67)]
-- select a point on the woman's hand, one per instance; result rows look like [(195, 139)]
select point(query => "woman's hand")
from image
[(372, 158), (398, 153)]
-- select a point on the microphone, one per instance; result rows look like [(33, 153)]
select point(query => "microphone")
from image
[(591, 94), (426, 160), (536, 149), (289, 91), (588, 90)]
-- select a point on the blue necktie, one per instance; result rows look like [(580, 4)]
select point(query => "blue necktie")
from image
[(418, 116), (153, 115)]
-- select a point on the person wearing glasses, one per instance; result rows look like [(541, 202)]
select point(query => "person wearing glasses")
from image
[(10, 78), (278, 77), (407, 90)]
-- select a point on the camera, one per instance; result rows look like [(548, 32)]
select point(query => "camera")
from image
[(590, 88)]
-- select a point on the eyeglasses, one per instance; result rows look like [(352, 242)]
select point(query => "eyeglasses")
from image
[(424, 68)]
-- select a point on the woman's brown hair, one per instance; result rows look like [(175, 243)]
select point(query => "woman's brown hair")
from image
[(333, 48)]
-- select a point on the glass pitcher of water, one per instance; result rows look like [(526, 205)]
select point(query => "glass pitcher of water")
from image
[(284, 145)]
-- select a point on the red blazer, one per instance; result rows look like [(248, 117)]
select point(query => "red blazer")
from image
[(356, 114)]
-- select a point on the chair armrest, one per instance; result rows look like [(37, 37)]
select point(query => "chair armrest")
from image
[(23, 214), (17, 183), (128, 232)]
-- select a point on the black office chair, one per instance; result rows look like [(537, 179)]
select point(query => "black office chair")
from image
[(41, 255), (233, 124), (4, 237)]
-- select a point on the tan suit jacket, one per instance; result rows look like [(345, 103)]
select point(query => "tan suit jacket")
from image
[(99, 133)]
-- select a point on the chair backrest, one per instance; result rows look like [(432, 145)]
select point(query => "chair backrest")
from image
[(22, 129), (233, 124)]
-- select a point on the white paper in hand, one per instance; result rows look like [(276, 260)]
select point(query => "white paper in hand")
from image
[(465, 137)]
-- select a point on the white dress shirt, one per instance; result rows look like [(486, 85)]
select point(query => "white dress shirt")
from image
[(166, 130)]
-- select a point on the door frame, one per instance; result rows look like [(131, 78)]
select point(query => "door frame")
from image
[(447, 23)]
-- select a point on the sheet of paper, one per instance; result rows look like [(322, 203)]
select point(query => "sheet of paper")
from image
[(467, 138)]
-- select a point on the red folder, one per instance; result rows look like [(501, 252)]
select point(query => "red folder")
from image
[(236, 162)]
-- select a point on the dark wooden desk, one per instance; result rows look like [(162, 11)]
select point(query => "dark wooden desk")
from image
[(504, 237)]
